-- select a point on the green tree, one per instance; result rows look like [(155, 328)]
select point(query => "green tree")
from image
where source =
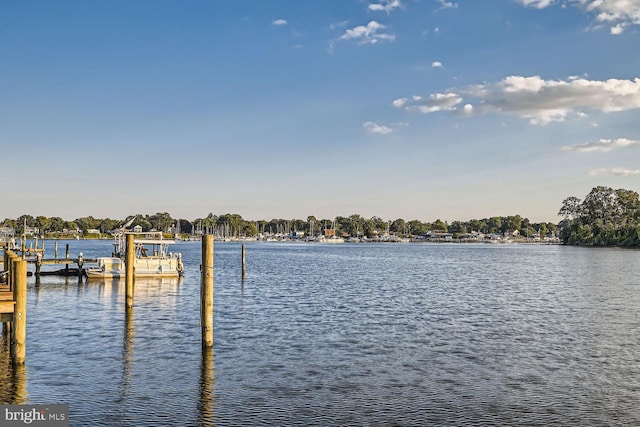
[(628, 207), (605, 217), (107, 225), (56, 224), (87, 223), (250, 229), (494, 224), (417, 228), (457, 228), (161, 221), (511, 223), (438, 225), (21, 221), (398, 226), (570, 208), (43, 223), (70, 226)]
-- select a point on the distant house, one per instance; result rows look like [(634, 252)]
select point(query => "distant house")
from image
[(329, 232), (7, 231), (137, 229), (93, 231)]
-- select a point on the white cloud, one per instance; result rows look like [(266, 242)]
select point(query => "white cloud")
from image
[(368, 34), (614, 171), (447, 4), (603, 145), (279, 22), (374, 128), (612, 11), (538, 100), (399, 103), (539, 4), (431, 104), (385, 5), (617, 13), (617, 30), (436, 64)]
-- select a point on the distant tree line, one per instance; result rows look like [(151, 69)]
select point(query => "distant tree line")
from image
[(233, 225), (606, 217)]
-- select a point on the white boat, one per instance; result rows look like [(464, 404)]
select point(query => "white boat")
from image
[(152, 258)]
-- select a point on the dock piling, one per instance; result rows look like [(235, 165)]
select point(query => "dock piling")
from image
[(80, 262), (38, 267), (19, 326), (244, 263), (129, 273), (206, 291), (66, 256)]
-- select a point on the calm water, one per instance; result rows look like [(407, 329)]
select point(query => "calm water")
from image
[(369, 334)]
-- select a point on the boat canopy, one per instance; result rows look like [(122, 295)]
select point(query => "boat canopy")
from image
[(153, 242)]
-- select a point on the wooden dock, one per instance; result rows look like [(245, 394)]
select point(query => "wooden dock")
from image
[(13, 292), (35, 256)]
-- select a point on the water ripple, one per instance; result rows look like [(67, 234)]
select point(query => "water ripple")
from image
[(370, 335)]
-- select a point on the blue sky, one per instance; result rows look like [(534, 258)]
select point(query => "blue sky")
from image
[(414, 109)]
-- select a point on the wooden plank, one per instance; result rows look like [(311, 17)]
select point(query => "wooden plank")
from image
[(7, 306), (66, 261), (6, 296), (6, 317)]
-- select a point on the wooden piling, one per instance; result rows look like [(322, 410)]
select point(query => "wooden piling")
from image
[(206, 291), (244, 263), (66, 256), (19, 327), (38, 267), (80, 262), (129, 272)]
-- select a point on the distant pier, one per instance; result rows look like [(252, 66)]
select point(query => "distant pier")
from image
[(35, 255)]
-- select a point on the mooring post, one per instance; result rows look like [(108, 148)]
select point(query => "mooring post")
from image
[(206, 291), (80, 262), (66, 266), (38, 267), (244, 263), (19, 327), (55, 250), (129, 272)]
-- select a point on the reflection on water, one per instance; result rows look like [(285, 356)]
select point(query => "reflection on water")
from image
[(346, 335), (206, 400), (12, 378), (127, 352)]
